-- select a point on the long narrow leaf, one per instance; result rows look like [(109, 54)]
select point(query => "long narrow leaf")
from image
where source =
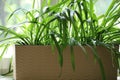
[(99, 61), (60, 57), (72, 57)]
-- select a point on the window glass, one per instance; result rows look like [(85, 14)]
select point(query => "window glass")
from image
[(101, 6), (7, 6)]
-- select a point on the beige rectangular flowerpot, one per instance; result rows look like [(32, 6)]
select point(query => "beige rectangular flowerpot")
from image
[(40, 63)]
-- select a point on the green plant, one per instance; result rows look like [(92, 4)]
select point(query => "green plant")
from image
[(68, 23)]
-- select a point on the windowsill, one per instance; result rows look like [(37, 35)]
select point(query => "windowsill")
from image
[(6, 78), (11, 78), (118, 78)]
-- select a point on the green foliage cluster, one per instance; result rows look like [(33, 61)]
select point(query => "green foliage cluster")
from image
[(67, 23)]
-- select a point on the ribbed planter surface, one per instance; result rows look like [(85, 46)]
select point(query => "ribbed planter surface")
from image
[(41, 63)]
